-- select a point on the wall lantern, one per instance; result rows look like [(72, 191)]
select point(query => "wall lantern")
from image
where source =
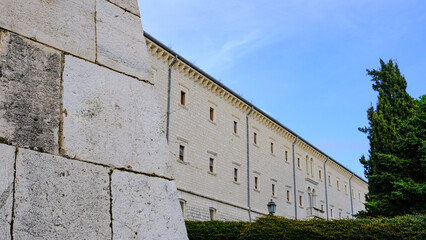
[(272, 207)]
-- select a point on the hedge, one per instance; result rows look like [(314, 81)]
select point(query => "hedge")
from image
[(405, 227)]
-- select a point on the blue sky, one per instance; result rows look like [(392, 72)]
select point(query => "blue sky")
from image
[(301, 61)]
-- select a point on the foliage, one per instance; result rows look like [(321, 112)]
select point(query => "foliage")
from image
[(405, 227), (396, 168)]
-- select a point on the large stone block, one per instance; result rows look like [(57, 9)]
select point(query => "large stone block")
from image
[(67, 25), (112, 119), (59, 198), (121, 44), (129, 5), (145, 208), (30, 76), (7, 160)]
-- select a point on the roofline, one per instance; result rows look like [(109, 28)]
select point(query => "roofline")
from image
[(150, 37)]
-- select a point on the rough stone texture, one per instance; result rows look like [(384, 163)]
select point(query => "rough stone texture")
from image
[(58, 198), (129, 5), (121, 44), (29, 92), (67, 25), (145, 208), (112, 119), (7, 160)]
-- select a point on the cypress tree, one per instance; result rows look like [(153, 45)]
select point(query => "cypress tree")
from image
[(396, 165)]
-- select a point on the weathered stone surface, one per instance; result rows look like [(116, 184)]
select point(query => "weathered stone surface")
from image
[(7, 160), (112, 119), (58, 198), (121, 44), (145, 208), (67, 25), (129, 5), (29, 92)]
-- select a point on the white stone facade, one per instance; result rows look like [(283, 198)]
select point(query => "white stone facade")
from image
[(203, 139)]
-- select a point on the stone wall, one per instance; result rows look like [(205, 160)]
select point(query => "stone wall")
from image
[(82, 152)]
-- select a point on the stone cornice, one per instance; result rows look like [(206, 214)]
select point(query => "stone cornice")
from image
[(161, 52)]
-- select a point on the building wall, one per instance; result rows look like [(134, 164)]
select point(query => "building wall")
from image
[(190, 126)]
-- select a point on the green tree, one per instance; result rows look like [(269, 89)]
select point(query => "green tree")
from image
[(397, 133)]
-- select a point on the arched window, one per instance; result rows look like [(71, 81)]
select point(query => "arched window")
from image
[(307, 165)]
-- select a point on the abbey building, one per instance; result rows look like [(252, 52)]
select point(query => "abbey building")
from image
[(230, 158)]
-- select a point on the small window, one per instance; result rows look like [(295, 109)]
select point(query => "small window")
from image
[(212, 214), (353, 195), (300, 200), (183, 207), (255, 183), (182, 97), (359, 196), (329, 180), (322, 207), (211, 165), (346, 190), (255, 138), (273, 189), (288, 195), (298, 162), (272, 147), (235, 127), (181, 153), (319, 174), (286, 155), (337, 185), (211, 114), (235, 174), (331, 212)]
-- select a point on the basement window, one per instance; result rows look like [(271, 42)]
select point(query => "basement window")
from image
[(182, 98), (212, 214)]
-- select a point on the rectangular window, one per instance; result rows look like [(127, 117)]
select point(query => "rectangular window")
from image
[(273, 189), (288, 195), (322, 207), (337, 185), (272, 147), (183, 207), (286, 155), (235, 174), (255, 183), (319, 174), (255, 138), (211, 165), (212, 214), (359, 196), (181, 153), (340, 215), (211, 114), (331, 212), (346, 190), (329, 180), (182, 97), (235, 127), (298, 162), (300, 200)]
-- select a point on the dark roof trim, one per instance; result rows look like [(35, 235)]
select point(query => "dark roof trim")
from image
[(147, 35)]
